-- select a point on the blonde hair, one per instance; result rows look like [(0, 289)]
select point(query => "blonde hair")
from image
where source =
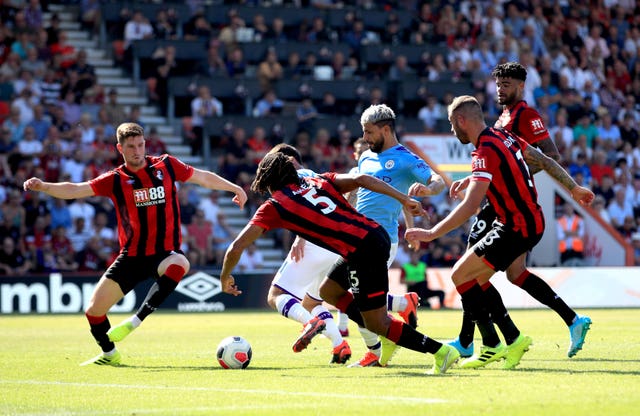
[(468, 106)]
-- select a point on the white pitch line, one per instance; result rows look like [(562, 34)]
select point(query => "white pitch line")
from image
[(401, 399)]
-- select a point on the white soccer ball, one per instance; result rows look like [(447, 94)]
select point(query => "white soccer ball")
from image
[(234, 352)]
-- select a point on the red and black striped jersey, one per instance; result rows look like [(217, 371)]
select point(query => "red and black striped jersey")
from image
[(318, 212), (146, 203), (499, 158), (524, 121)]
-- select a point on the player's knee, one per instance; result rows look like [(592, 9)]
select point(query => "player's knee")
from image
[(513, 273), (273, 294), (175, 271)]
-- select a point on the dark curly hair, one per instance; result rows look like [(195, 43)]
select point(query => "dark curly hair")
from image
[(288, 150), (513, 70), (274, 172)]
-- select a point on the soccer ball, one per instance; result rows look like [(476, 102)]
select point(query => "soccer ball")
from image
[(234, 352)]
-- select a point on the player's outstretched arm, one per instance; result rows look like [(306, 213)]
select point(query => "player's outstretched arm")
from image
[(376, 185), (537, 159), (434, 187), (248, 235), (458, 186), (456, 217), (62, 190), (211, 180)]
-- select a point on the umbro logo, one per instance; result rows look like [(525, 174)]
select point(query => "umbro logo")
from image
[(200, 286)]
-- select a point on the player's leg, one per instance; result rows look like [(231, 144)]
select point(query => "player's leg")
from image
[(341, 351), (287, 305), (343, 323), (479, 228), (288, 293), (473, 301), (106, 294), (498, 312), (334, 290), (405, 305), (170, 271), (578, 325), (370, 299), (498, 250)]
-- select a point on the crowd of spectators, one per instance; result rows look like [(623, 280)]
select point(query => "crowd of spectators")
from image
[(58, 123)]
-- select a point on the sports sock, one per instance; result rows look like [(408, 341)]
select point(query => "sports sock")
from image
[(331, 330), (542, 292), (467, 330), (161, 289), (407, 337), (343, 321), (371, 340), (99, 326), (473, 301), (291, 308), (396, 303), (499, 313), (347, 305)]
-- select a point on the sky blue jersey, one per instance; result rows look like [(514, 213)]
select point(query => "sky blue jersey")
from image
[(307, 173), (398, 167)]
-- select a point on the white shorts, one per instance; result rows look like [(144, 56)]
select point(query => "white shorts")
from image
[(305, 276)]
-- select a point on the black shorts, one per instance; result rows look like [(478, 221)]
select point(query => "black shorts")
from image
[(482, 224), (500, 246), (365, 273), (129, 271)]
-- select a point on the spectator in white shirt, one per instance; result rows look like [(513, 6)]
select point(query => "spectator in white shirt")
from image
[(250, 260), (210, 207), (137, 28), (81, 208), (619, 208)]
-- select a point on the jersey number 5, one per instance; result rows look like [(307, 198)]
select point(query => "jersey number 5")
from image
[(312, 196)]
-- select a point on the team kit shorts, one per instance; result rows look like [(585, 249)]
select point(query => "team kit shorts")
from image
[(129, 271), (365, 273), (500, 246), (306, 275)]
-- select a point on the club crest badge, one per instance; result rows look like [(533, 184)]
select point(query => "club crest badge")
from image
[(389, 164)]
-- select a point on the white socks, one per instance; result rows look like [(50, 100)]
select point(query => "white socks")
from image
[(331, 330), (291, 308), (371, 341), (397, 303)]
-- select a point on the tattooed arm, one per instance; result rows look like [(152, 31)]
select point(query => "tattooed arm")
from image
[(548, 147), (538, 160)]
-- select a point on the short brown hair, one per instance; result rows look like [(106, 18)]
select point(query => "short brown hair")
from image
[(126, 130)]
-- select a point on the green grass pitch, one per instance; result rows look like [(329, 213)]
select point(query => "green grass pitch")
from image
[(170, 369)]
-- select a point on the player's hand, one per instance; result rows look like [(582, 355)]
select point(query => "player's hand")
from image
[(413, 246), (297, 249), (419, 189), (229, 285), (414, 207), (415, 235), (240, 198), (582, 195), (459, 186), (33, 184)]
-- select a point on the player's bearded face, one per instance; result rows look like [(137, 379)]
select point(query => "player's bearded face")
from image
[(376, 141), (458, 132), (507, 91)]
